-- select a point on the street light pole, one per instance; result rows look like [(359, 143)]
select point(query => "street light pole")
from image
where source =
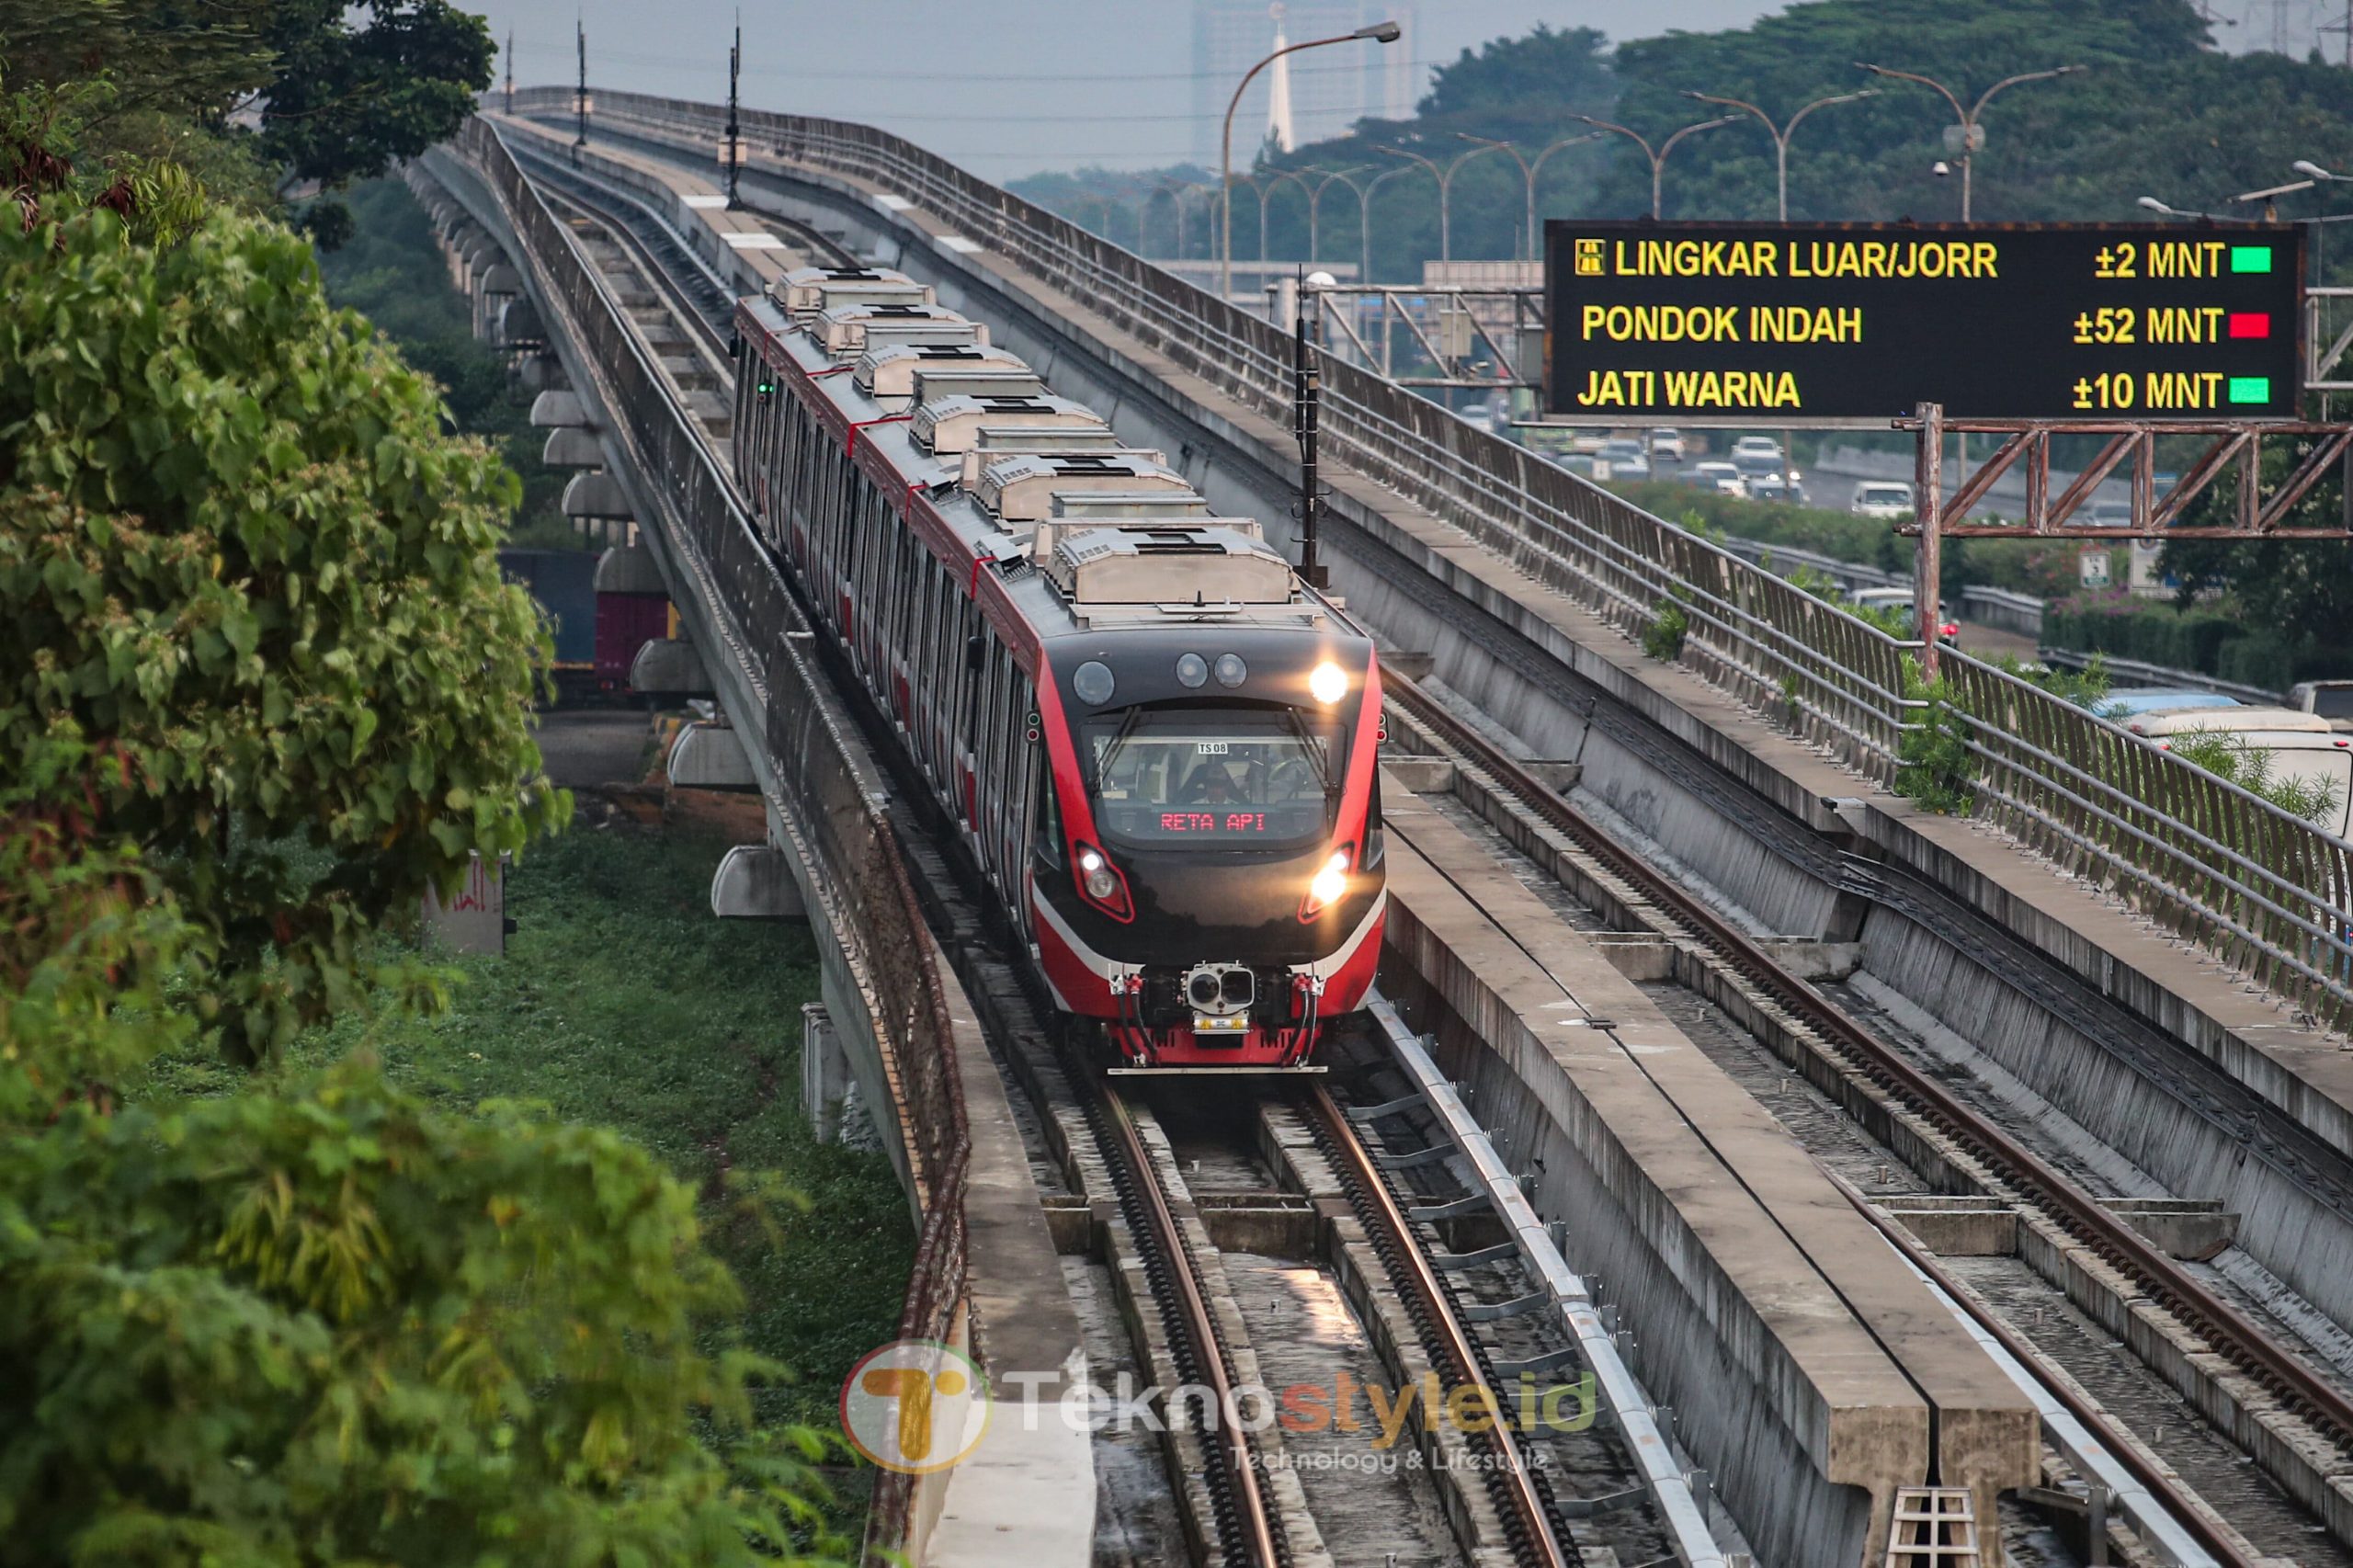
[(1364, 217), (1970, 135), (1378, 32), (1444, 175), (580, 96), (1527, 178), (1657, 158), (1781, 134), (1315, 207)]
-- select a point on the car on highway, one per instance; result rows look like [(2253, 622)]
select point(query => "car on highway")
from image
[(2332, 700), (1885, 499), (1575, 462), (1902, 604), (1665, 443), (1776, 487), (1755, 466), (1626, 460), (1758, 446), (1721, 477), (2107, 515)]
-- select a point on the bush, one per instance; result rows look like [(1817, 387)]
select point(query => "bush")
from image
[(2127, 628), (1936, 769), (1662, 638)]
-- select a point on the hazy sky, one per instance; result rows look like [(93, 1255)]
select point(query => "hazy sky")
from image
[(1005, 87), (1009, 87)]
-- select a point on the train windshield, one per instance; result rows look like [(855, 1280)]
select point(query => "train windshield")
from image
[(1231, 777)]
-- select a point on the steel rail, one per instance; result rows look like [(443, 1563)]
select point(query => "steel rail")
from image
[(2227, 1331), (2112, 1449), (1253, 1522), (1527, 1510)]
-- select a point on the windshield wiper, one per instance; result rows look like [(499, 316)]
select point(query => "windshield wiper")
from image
[(1118, 738), (1313, 746)]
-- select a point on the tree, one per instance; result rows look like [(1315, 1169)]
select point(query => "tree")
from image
[(153, 83), (344, 104), (333, 1326), (249, 603)]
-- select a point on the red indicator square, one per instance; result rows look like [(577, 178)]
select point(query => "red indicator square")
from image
[(2250, 323)]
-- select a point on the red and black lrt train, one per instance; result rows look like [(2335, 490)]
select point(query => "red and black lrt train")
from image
[(1159, 745)]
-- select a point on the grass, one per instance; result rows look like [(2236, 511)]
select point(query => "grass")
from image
[(621, 1001)]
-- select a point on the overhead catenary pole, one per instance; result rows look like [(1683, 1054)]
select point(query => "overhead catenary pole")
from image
[(734, 131), (510, 71), (1307, 378), (580, 91), (1378, 32), (1927, 558)]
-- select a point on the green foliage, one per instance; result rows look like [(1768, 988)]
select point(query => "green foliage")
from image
[(2084, 688), (330, 1324), (345, 104), (248, 594), (2229, 640), (1936, 767), (2250, 767), (136, 98), (1662, 638), (615, 951), (390, 272)]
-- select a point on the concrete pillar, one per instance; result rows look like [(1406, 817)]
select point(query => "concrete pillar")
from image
[(474, 920), (520, 325), (557, 406), (710, 757), (571, 446), (628, 569), (596, 494), (755, 882), (539, 373), (669, 667), (825, 1083)]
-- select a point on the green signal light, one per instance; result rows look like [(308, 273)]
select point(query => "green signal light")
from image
[(2250, 389), (2250, 258)]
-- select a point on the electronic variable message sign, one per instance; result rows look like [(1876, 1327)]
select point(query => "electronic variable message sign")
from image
[(1786, 322)]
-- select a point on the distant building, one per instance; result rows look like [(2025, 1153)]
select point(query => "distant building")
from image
[(1327, 91)]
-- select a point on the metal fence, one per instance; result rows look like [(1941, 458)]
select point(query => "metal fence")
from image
[(833, 818), (2203, 858)]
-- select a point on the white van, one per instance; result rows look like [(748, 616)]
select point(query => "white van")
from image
[(2179, 720), (1886, 499), (2319, 759)]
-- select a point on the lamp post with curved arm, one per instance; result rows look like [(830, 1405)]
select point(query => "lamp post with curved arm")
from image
[(1377, 32), (1971, 134), (1528, 169), (1444, 175), (1315, 204), (1658, 157), (1781, 134)]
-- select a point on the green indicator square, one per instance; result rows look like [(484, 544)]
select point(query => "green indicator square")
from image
[(2250, 258), (2250, 389)]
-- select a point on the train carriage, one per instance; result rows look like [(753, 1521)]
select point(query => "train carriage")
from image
[(1158, 743)]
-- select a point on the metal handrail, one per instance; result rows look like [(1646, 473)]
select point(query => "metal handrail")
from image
[(1750, 631), (851, 842)]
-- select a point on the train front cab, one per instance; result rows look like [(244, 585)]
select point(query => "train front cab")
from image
[(1206, 877)]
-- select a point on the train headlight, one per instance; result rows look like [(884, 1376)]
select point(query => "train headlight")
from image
[(1327, 683), (1093, 682), (1230, 670), (1329, 885), (1192, 670), (1097, 871)]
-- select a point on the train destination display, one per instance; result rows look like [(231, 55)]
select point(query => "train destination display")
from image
[(1865, 321)]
